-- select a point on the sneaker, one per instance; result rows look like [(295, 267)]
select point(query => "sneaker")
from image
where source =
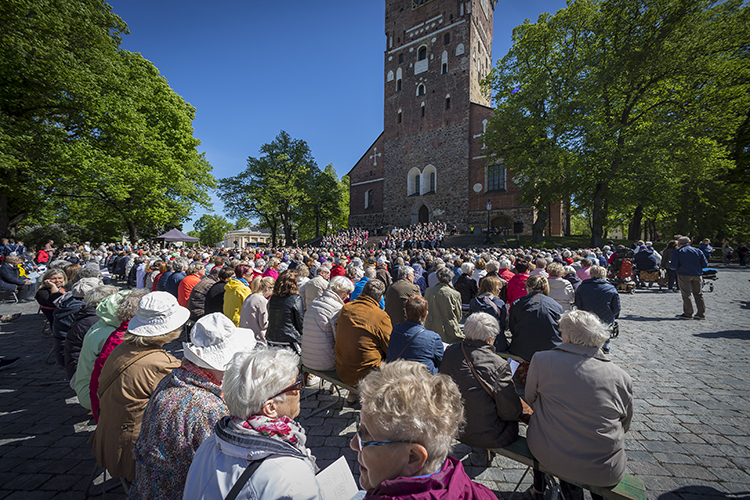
[(699, 317), (605, 350), (313, 380), (6, 363), (10, 317), (684, 316)]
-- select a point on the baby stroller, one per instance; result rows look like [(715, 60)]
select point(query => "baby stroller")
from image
[(708, 277)]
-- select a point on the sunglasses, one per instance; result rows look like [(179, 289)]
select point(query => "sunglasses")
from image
[(298, 385), (361, 443)]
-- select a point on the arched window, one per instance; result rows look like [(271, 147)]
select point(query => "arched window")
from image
[(430, 179), (422, 53), (398, 116), (421, 89), (422, 110), (398, 79), (413, 182)]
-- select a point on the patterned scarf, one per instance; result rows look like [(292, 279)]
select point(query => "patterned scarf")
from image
[(188, 366), (282, 428)]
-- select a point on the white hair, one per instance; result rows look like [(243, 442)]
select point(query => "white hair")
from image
[(481, 326), (341, 284), (405, 271), (504, 263), (492, 266), (597, 272), (467, 268), (254, 377), (583, 328), (93, 297)]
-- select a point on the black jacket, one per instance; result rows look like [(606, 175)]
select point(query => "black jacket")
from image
[(83, 320), (533, 322), (64, 316), (214, 298), (467, 287), (286, 316)]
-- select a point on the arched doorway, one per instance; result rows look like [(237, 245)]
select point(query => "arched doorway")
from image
[(424, 214)]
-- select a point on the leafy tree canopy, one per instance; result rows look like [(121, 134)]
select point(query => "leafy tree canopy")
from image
[(212, 228)]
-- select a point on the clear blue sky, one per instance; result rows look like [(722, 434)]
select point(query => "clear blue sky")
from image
[(252, 69)]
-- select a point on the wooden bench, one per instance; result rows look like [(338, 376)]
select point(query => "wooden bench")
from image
[(333, 378), (630, 488), (506, 355)]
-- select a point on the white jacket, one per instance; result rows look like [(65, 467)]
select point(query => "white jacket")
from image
[(562, 292), (254, 315), (319, 332), (220, 461), (314, 289)]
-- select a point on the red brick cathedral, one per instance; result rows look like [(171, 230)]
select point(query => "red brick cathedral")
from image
[(430, 163)]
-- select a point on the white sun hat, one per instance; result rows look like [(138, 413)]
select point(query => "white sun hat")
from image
[(214, 340), (158, 314)]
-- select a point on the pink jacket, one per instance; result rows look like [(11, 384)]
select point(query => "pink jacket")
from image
[(115, 339)]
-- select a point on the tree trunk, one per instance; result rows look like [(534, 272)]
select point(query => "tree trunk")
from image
[(567, 216), (537, 230), (317, 222), (598, 215), (635, 226), (132, 232)]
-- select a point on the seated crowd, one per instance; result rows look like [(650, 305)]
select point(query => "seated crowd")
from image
[(416, 331)]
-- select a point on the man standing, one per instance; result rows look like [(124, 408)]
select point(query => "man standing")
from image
[(688, 263), (400, 290), (596, 295), (363, 331)]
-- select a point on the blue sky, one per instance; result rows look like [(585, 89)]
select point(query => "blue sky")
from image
[(252, 69)]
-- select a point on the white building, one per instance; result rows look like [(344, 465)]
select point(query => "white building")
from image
[(247, 237)]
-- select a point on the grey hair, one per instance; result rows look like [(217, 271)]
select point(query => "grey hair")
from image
[(96, 295), (467, 268), (370, 272), (444, 275), (354, 273), (259, 263), (87, 272), (597, 272), (405, 271), (129, 304), (179, 265), (583, 328), (60, 264), (254, 377), (504, 263), (195, 267), (374, 289), (492, 266), (321, 269), (481, 326), (341, 284)]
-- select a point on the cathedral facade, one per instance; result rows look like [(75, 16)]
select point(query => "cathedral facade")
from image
[(430, 163)]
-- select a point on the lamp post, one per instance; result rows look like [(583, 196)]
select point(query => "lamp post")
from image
[(489, 208)]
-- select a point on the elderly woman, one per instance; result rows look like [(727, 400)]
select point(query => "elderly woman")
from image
[(583, 405), (560, 289), (273, 268), (466, 285), (411, 341), (185, 407), (488, 301), (490, 399), (195, 273), (408, 422), (66, 309), (129, 378), (286, 312), (262, 391), (52, 289), (444, 303), (319, 328), (215, 294), (254, 314), (236, 291), (533, 320)]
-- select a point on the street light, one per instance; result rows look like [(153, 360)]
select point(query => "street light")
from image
[(489, 207)]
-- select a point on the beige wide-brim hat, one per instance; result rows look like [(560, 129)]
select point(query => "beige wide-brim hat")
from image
[(158, 314), (214, 340)]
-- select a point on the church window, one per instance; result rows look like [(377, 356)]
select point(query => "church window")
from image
[(429, 175), (370, 199), (417, 179), (422, 53), (496, 178), (413, 182), (398, 79), (447, 38), (422, 110), (398, 116), (421, 90), (444, 68), (400, 58), (460, 49), (448, 102)]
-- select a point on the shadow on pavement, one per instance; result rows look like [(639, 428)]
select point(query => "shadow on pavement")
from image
[(702, 493), (727, 334)]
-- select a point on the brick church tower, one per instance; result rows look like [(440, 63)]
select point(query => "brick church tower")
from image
[(430, 163)]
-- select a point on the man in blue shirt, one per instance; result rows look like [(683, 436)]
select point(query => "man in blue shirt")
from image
[(688, 263)]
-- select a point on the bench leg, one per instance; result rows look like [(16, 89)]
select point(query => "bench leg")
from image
[(329, 405)]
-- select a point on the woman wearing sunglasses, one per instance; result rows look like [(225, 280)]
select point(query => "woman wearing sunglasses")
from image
[(408, 423), (259, 450)]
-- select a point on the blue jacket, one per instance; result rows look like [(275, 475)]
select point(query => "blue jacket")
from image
[(688, 261), (427, 348), (173, 283), (358, 286), (533, 323), (599, 297), (645, 260)]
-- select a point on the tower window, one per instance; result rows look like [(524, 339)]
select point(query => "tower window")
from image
[(447, 103), (400, 58), (447, 38), (432, 182), (496, 178), (422, 110), (398, 84), (398, 116), (370, 199), (444, 68), (421, 90), (417, 180), (422, 53)]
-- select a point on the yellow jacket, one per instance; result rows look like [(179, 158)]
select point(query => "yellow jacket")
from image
[(235, 293)]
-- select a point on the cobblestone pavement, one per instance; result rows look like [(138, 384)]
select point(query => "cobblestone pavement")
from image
[(690, 436)]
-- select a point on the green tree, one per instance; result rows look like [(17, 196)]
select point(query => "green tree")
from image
[(242, 222), (88, 131), (273, 187), (212, 228), (326, 203), (599, 100)]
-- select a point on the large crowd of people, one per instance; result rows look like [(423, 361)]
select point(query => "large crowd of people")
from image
[(414, 327)]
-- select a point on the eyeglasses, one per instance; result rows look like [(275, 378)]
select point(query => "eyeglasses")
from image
[(298, 385), (361, 443)]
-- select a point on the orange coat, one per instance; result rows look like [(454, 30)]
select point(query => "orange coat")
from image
[(185, 287), (363, 331)]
